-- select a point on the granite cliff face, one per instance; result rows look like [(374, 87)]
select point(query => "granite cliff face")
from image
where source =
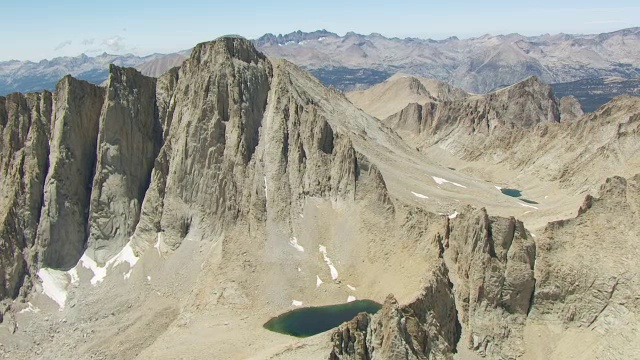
[(25, 122), (52, 145), (240, 138), (585, 281), (203, 148), (129, 136), (67, 187), (494, 264)]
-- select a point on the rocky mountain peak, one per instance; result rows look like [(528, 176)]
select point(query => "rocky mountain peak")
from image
[(531, 86), (296, 36), (225, 48)]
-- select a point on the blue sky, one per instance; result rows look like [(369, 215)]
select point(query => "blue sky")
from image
[(36, 29)]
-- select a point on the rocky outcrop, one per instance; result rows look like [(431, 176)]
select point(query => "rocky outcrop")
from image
[(493, 260), (25, 121), (413, 119), (129, 137), (424, 120), (570, 109), (423, 329), (522, 106), (63, 221), (588, 277)]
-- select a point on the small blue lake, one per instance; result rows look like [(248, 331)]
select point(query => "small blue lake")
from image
[(310, 321), (511, 192)]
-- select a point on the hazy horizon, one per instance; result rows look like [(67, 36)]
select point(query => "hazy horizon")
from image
[(146, 27)]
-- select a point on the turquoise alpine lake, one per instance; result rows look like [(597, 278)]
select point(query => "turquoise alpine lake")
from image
[(310, 321), (511, 192)]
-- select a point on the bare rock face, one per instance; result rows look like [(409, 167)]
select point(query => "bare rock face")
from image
[(423, 329), (228, 140), (24, 145), (475, 126), (413, 119), (129, 137), (212, 123), (67, 188), (240, 138), (570, 109), (522, 105), (493, 260), (587, 278)]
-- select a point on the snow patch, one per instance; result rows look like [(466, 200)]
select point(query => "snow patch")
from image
[(294, 242), (265, 187), (99, 273), (29, 308), (125, 255), (148, 278), (127, 274), (527, 205), (157, 245), (296, 303), (334, 272), (299, 270), (302, 216), (441, 181), (351, 298), (318, 281), (351, 287), (73, 274), (419, 195), (54, 285), (454, 215), (498, 187)]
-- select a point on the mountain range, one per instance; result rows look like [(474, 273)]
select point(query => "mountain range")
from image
[(28, 76), (172, 217), (478, 64), (356, 61)]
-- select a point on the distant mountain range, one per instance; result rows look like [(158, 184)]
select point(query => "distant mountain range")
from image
[(356, 61), (28, 76), (477, 65)]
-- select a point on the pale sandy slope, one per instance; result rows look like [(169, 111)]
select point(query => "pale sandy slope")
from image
[(392, 95)]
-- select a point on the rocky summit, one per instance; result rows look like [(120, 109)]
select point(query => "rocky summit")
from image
[(173, 217)]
